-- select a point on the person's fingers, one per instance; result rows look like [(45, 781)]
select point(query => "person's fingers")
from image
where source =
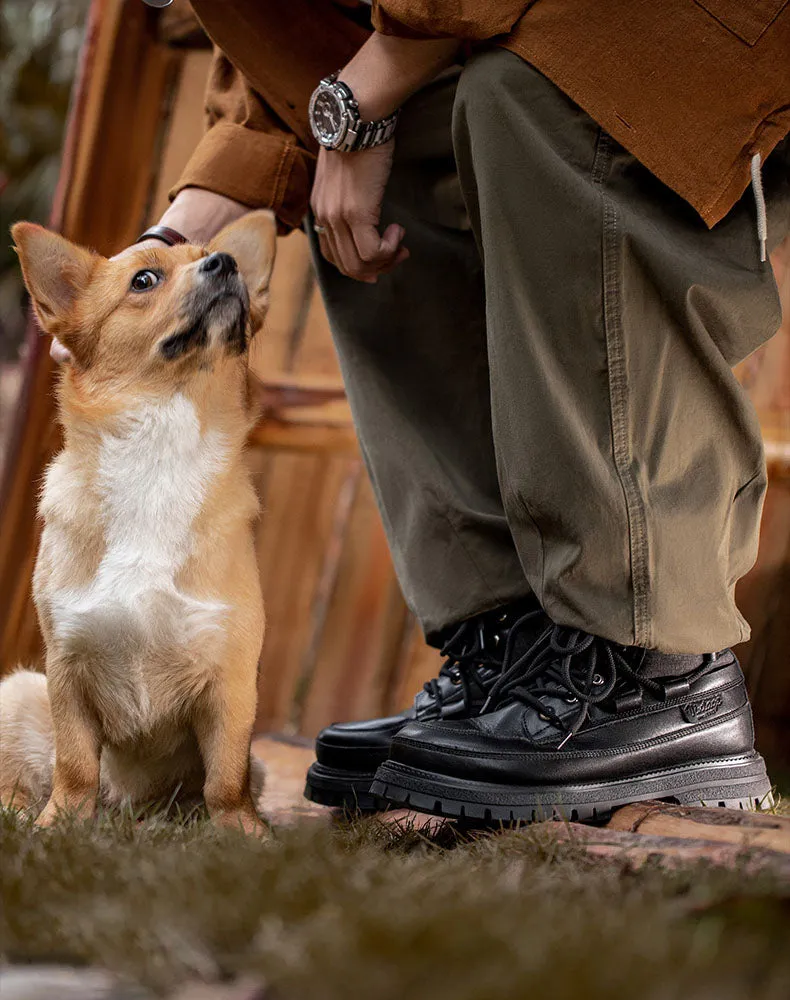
[(323, 245), (374, 251), (352, 264), (58, 352), (326, 242), (321, 226), (391, 241), (352, 243)]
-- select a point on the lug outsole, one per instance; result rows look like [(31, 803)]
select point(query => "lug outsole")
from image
[(338, 789), (735, 783)]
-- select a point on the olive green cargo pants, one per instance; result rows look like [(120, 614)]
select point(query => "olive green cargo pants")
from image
[(546, 403)]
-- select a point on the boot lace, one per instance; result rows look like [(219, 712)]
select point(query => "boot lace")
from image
[(474, 644), (581, 668)]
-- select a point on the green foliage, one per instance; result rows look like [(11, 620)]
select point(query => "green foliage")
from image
[(365, 909), (39, 46)]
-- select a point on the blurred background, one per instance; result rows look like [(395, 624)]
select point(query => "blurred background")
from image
[(39, 49), (100, 105)]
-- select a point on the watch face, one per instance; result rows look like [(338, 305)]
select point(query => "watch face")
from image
[(327, 118)]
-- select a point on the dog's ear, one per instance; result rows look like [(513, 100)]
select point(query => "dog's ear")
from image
[(55, 271), (252, 242)]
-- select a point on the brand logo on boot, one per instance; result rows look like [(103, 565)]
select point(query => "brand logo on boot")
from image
[(696, 711)]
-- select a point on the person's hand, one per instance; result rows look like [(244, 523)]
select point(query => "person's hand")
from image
[(346, 202), (195, 213)]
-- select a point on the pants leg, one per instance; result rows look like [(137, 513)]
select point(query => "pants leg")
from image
[(630, 461), (412, 350)]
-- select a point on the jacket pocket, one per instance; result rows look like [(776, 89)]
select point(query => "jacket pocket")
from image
[(747, 19)]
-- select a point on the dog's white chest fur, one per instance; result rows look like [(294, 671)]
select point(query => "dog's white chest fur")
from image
[(152, 480)]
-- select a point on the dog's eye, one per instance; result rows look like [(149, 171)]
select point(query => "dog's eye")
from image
[(144, 280)]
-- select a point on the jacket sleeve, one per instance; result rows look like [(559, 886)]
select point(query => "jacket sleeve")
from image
[(247, 152), (472, 20)]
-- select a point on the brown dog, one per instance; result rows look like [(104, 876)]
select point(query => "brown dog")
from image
[(146, 583)]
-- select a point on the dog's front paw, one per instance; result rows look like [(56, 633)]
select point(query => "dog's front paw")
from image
[(243, 818), (83, 807)]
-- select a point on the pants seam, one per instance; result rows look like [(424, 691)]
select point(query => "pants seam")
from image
[(618, 399)]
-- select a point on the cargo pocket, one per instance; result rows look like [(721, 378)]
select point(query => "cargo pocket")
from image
[(748, 19)]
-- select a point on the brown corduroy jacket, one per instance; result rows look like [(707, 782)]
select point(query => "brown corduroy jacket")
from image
[(693, 88)]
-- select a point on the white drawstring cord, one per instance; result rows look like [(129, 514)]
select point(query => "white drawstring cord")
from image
[(759, 200)]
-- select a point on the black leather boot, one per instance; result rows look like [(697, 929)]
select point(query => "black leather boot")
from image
[(347, 754), (576, 726)]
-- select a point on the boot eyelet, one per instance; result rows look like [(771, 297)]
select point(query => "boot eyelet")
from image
[(571, 701), (455, 679), (544, 717), (598, 680)]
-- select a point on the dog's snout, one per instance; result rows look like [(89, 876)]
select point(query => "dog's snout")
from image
[(218, 265)]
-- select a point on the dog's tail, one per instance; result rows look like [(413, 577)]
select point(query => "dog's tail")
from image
[(27, 744)]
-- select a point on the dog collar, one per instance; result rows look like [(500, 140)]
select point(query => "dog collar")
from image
[(163, 233)]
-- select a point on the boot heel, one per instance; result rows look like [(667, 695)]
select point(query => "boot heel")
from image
[(741, 785)]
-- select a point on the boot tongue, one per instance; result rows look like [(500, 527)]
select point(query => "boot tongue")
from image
[(530, 638)]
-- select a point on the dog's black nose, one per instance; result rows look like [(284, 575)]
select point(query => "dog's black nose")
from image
[(218, 264)]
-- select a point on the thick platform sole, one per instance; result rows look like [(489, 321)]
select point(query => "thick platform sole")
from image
[(338, 789), (737, 782)]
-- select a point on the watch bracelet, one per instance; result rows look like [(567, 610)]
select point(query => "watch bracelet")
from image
[(376, 133), (367, 134)]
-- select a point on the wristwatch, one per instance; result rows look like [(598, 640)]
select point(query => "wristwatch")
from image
[(335, 121)]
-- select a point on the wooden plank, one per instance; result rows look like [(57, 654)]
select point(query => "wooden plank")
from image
[(286, 762), (638, 849), (326, 585), (10, 387), (728, 826), (185, 126), (128, 95), (286, 389), (304, 413), (316, 341), (306, 438), (764, 593), (296, 527), (274, 348), (363, 626), (37, 438), (421, 662), (764, 599)]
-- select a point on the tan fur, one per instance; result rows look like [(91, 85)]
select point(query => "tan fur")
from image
[(146, 582), (27, 747)]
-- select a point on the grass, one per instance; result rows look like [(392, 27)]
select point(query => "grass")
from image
[(368, 910)]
